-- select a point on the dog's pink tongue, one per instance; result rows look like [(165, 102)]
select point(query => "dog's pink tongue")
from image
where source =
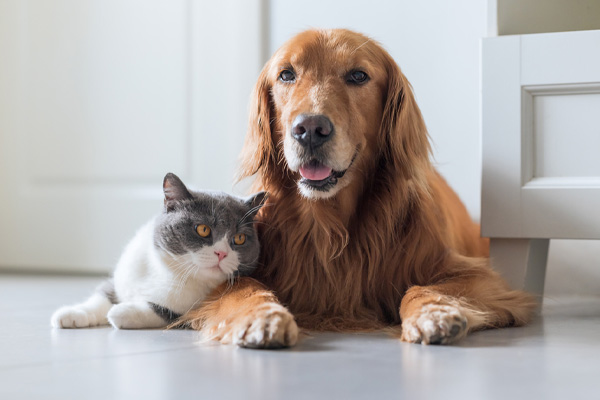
[(314, 172)]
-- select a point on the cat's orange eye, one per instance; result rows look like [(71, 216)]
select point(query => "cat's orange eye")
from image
[(240, 238), (203, 230)]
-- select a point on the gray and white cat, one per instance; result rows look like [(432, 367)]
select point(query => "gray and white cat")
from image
[(198, 242)]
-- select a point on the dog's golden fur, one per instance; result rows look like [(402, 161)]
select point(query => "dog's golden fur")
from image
[(394, 245)]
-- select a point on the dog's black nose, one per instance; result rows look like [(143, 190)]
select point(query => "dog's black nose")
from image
[(312, 130)]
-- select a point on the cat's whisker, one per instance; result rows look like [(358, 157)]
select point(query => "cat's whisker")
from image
[(251, 211), (182, 270), (191, 268), (231, 279), (178, 282), (185, 269), (255, 222), (184, 279)]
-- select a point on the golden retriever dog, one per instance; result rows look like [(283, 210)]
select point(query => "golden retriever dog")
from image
[(359, 232)]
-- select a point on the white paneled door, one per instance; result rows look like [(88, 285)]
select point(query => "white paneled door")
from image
[(98, 100)]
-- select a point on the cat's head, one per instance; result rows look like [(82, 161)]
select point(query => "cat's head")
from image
[(211, 235)]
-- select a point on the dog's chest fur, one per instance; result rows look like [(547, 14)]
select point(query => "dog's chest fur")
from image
[(332, 277)]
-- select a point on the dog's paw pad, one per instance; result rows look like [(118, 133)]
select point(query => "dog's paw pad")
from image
[(270, 327), (435, 324)]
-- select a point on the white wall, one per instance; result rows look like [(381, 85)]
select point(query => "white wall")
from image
[(437, 45)]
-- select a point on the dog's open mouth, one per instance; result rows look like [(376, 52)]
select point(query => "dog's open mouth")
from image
[(319, 176)]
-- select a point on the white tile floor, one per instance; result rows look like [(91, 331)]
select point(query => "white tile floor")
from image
[(556, 357)]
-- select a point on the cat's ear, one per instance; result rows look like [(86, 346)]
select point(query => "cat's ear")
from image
[(255, 202), (174, 190)]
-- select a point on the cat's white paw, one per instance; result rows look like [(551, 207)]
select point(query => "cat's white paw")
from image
[(269, 327), (123, 316), (72, 317), (134, 316)]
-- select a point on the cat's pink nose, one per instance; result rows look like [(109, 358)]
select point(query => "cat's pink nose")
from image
[(221, 255)]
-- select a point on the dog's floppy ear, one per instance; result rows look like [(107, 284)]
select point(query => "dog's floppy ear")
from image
[(258, 153), (404, 140)]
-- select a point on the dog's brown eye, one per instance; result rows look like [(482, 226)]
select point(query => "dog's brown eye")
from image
[(287, 76), (357, 77)]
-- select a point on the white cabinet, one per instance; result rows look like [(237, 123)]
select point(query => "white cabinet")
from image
[(541, 147)]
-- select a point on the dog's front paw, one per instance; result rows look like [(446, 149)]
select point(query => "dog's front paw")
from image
[(271, 326), (72, 317), (435, 324)]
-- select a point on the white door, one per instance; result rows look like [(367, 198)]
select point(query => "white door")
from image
[(541, 140), (98, 100)]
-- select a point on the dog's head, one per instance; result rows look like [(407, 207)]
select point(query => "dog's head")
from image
[(332, 104)]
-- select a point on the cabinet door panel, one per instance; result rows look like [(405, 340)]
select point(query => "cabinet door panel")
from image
[(541, 174)]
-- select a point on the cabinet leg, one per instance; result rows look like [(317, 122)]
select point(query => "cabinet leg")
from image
[(522, 262)]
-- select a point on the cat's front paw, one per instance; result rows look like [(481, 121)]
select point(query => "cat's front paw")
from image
[(134, 316), (72, 317), (435, 324), (271, 326)]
